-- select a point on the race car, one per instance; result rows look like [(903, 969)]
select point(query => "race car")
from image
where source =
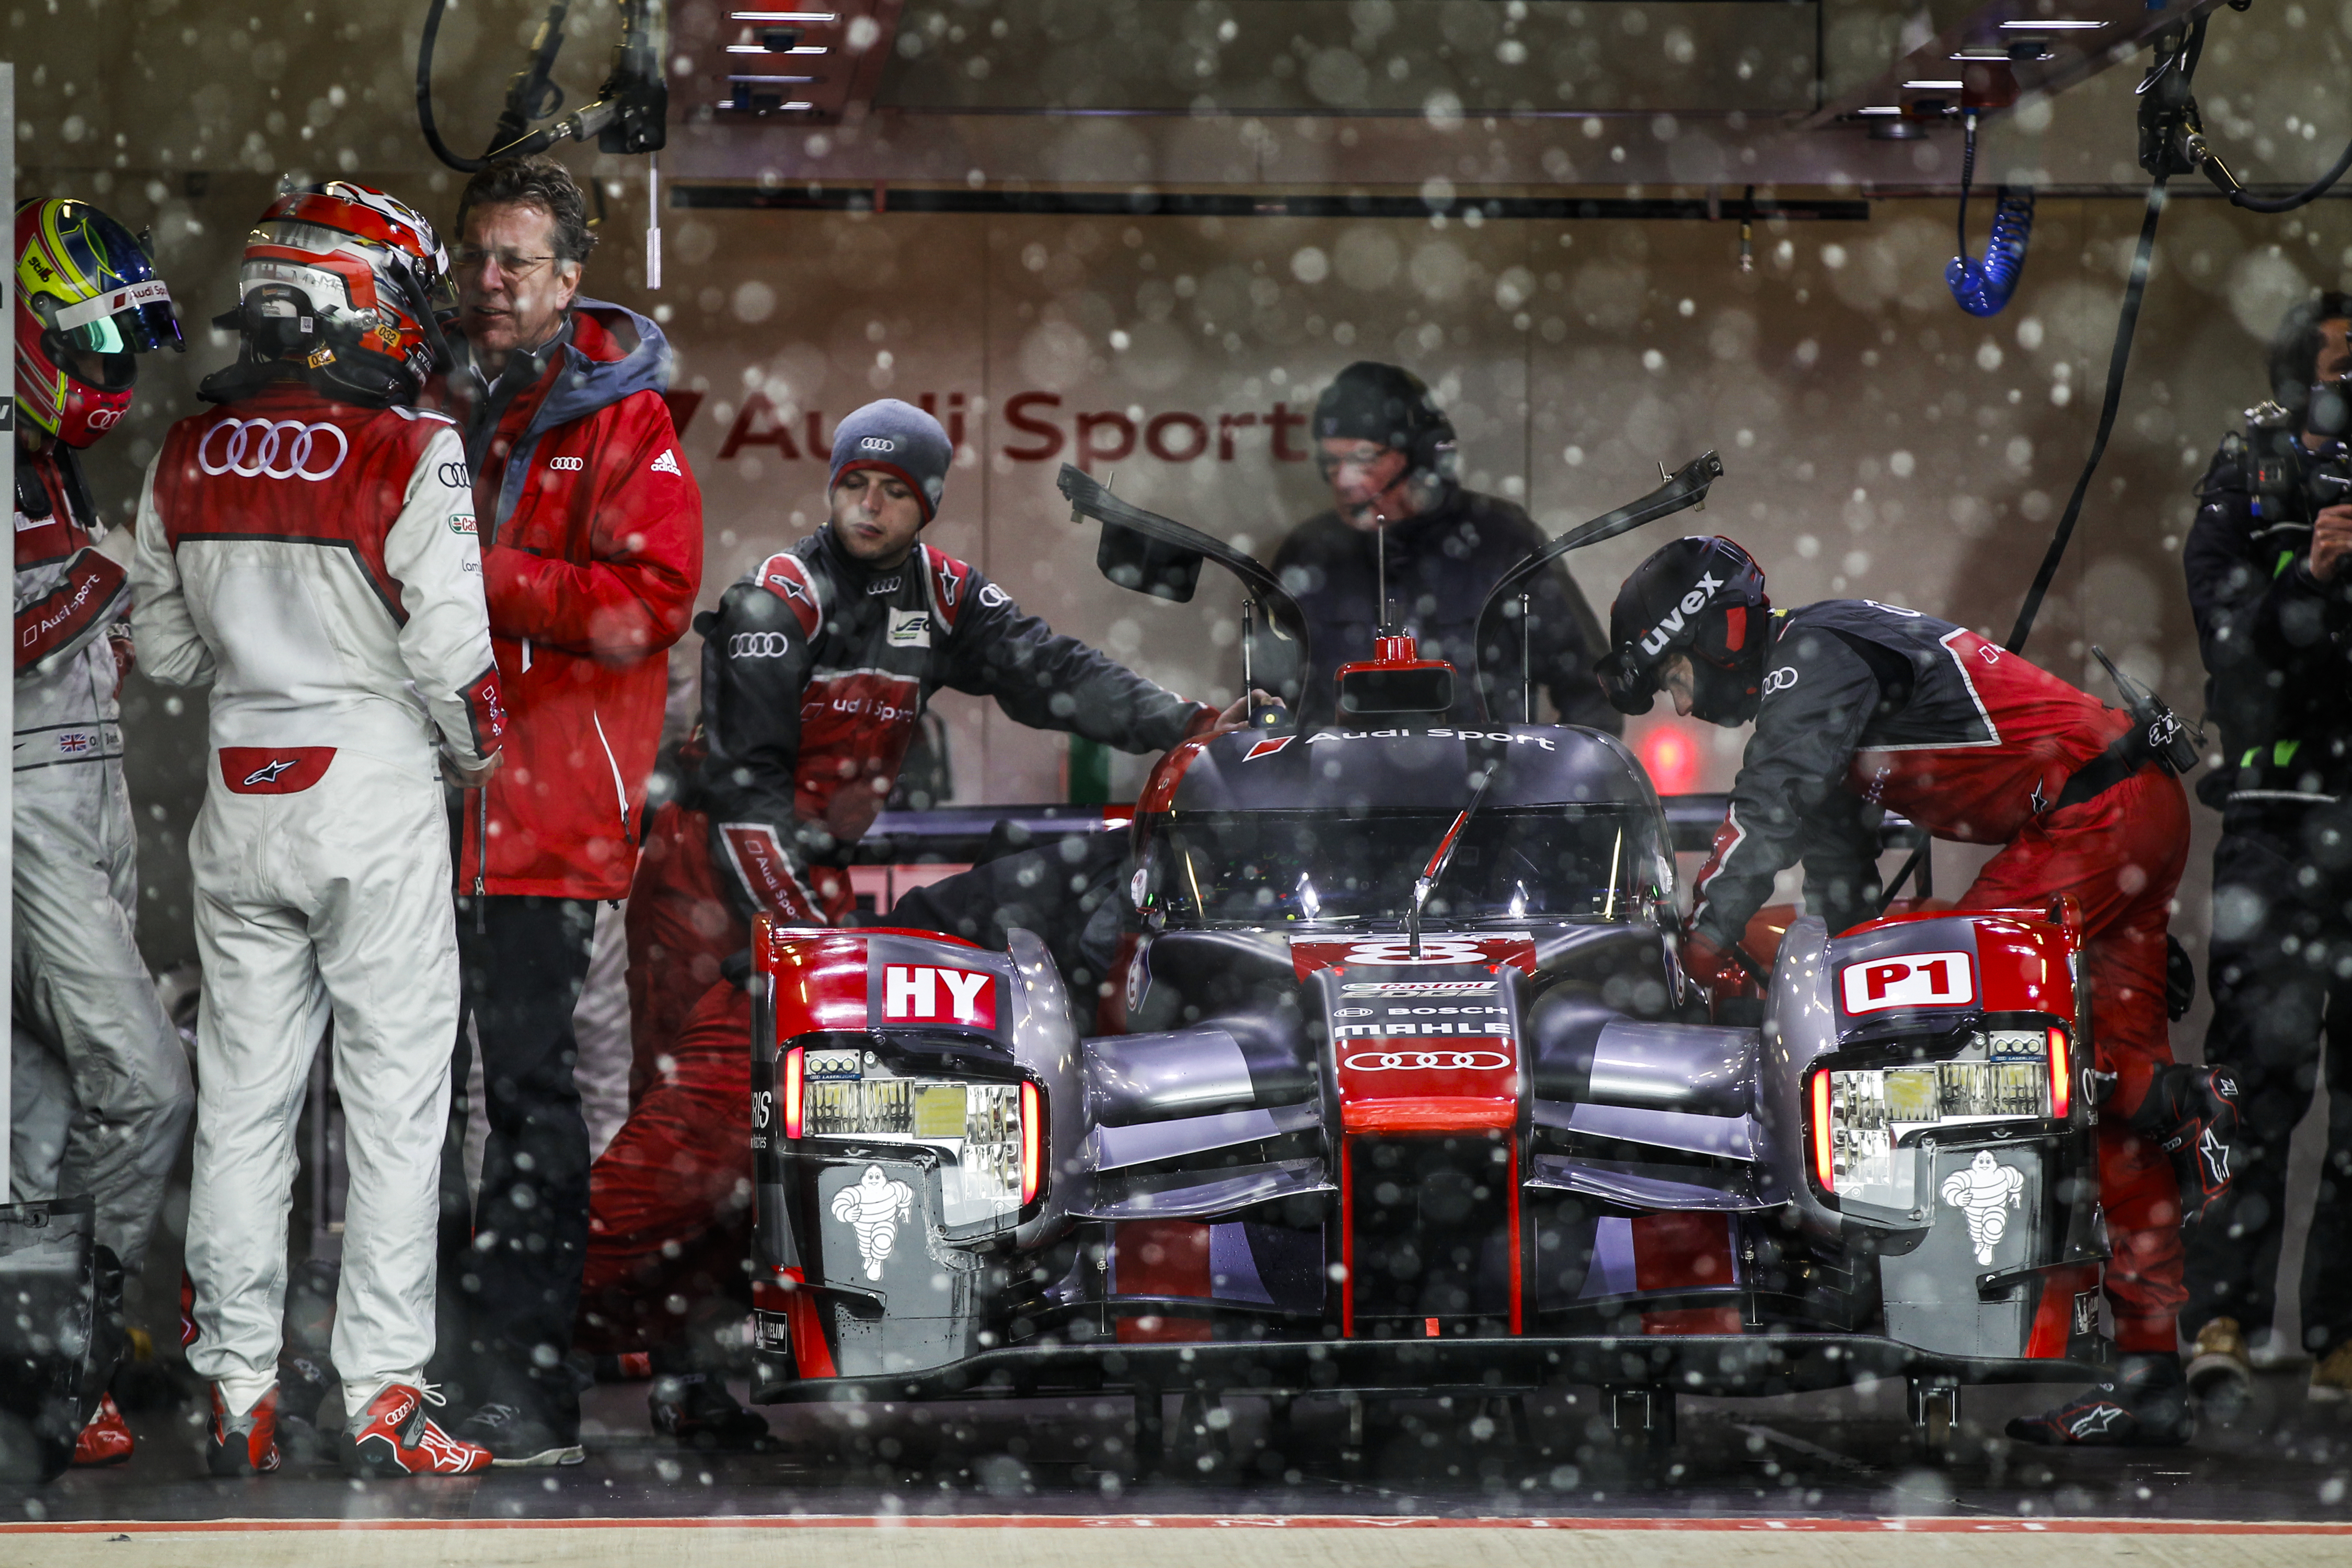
[(1399, 1087)]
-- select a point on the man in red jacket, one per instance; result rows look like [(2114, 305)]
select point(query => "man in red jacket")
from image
[(591, 552)]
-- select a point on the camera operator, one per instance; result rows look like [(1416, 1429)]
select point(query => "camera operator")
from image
[(2269, 563), (1388, 453)]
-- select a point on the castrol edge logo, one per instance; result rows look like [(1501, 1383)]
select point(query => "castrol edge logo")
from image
[(1909, 980), (930, 994)]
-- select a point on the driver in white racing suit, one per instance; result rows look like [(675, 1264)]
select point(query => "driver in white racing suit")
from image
[(100, 1092), (308, 551)]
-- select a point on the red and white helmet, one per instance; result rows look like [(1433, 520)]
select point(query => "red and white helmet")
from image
[(351, 282)]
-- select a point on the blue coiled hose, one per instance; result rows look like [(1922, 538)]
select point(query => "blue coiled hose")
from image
[(1983, 288)]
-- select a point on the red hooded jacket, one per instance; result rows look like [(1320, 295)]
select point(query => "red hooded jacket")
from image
[(592, 554)]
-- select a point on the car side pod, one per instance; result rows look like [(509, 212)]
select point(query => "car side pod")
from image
[(1922, 1084), (915, 1113)]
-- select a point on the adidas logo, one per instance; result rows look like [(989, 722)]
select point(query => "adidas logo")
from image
[(668, 463)]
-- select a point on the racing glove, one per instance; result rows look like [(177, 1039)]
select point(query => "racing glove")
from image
[(2192, 1112)]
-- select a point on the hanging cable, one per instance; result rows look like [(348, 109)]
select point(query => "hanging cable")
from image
[(1983, 288)]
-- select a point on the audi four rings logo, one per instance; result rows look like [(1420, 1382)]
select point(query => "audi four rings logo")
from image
[(757, 645), (1427, 1061), (566, 465), (454, 476), (1779, 680), (271, 450), (878, 444)]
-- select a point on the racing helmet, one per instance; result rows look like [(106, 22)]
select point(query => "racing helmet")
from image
[(1704, 596), (83, 283), (350, 283)]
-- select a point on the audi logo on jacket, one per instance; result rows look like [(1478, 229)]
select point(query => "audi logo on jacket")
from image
[(1869, 705), (592, 555), (814, 669)]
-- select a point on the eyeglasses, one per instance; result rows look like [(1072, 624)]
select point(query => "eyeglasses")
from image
[(513, 264)]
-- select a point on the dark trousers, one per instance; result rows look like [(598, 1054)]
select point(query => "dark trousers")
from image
[(509, 1275), (2281, 948)]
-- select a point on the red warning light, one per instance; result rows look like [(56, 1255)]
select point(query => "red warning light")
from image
[(1672, 755)]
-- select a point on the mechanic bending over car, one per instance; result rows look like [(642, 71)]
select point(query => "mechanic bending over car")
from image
[(2269, 561), (816, 667), (100, 1092), (1860, 706), (1388, 453)]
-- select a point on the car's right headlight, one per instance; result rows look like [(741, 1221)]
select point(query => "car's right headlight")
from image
[(991, 1133)]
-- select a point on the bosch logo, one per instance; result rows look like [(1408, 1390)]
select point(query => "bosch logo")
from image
[(272, 449), (1427, 1061), (454, 476), (878, 444), (1779, 680), (566, 464), (757, 645)]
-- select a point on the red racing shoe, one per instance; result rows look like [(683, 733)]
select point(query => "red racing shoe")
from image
[(394, 1437), (242, 1444), (105, 1440)]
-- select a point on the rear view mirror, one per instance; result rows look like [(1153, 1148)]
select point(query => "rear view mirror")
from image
[(1375, 688), (1148, 565)]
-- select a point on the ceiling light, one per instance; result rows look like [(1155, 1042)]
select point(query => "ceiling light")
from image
[(2046, 27), (1880, 109), (819, 17), (763, 49), (773, 80), (1933, 86)]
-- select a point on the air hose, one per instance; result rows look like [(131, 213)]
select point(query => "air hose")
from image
[(1983, 288)]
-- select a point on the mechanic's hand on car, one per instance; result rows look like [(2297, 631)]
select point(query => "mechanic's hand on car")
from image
[(1237, 716), (463, 777), (1719, 973), (2331, 541)]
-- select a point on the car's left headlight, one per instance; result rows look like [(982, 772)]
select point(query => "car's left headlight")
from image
[(1866, 1120)]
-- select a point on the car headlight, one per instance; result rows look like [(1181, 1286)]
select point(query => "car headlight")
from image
[(1867, 1121), (991, 1134)]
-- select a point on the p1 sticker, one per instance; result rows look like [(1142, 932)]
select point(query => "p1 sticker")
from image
[(1912, 980)]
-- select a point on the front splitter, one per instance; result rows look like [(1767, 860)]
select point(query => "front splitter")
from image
[(1731, 1364)]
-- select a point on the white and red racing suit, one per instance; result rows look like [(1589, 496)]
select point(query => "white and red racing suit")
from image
[(1867, 705), (100, 1083), (316, 564)]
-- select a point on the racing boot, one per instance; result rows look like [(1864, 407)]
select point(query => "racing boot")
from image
[(394, 1437), (242, 1445), (2144, 1405), (695, 1409), (104, 1439), (2192, 1112)]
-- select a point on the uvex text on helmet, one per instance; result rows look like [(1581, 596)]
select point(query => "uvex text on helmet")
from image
[(1704, 596), (85, 288), (898, 438)]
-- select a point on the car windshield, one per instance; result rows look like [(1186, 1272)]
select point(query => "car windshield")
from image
[(1261, 868)]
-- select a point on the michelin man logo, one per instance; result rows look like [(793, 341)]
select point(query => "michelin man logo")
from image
[(1984, 1192), (873, 1208)]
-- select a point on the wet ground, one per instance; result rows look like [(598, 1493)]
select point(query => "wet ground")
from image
[(1849, 1456)]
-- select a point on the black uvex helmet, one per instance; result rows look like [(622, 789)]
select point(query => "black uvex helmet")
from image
[(1704, 596)]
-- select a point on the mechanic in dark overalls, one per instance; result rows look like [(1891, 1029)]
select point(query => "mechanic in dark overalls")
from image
[(1859, 706), (1388, 453), (816, 668), (2269, 563)]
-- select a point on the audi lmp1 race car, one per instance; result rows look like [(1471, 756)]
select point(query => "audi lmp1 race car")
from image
[(1399, 1087)]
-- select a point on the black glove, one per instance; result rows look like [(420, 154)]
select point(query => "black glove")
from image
[(2192, 1112)]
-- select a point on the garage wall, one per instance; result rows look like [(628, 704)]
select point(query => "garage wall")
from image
[(1877, 440)]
